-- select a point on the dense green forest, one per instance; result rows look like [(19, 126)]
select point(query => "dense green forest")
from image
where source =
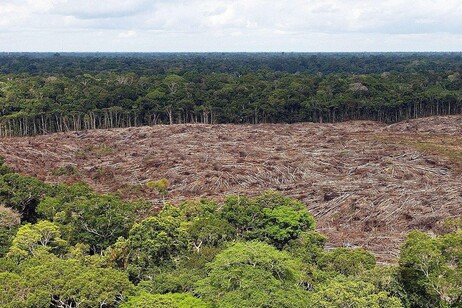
[(67, 246), (44, 93)]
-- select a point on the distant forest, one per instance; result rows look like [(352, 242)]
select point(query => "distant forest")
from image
[(44, 92)]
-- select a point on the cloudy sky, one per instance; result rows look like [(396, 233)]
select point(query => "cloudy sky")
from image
[(230, 25)]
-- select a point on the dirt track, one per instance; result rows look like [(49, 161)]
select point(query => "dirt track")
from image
[(367, 184)]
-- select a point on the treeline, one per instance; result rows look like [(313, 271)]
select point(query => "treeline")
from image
[(188, 88), (66, 246), (74, 64)]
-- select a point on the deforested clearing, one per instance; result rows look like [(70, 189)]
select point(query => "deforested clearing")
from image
[(366, 183)]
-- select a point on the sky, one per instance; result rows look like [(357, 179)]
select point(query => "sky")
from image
[(230, 25)]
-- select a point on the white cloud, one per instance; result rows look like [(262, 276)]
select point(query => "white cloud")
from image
[(91, 9), (127, 34), (248, 25), (18, 12)]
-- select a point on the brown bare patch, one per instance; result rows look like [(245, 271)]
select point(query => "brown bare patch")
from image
[(367, 184)]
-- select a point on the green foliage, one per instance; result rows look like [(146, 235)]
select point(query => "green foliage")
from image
[(247, 252), (191, 268), (201, 222), (6, 238), (253, 274), (96, 220), (283, 224), (386, 278), (67, 170), (68, 281), (431, 269), (348, 262), (13, 291), (201, 208), (270, 217), (47, 281), (98, 286), (175, 300), (175, 281), (344, 292), (211, 231), (23, 193), (3, 168), (161, 186), (43, 235), (155, 242), (452, 225), (43, 94), (309, 247)]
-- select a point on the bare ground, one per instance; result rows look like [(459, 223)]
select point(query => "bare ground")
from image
[(366, 183)]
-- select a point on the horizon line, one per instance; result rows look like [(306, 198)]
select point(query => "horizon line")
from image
[(230, 52)]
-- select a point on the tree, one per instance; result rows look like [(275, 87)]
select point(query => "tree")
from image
[(4, 169), (13, 291), (68, 283), (204, 224), (431, 269), (270, 217), (385, 278), (211, 231), (146, 300), (151, 105), (253, 274), (191, 268), (96, 220), (153, 243), (98, 287), (309, 247), (42, 235), (348, 262), (344, 292), (174, 84), (23, 193), (282, 224)]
